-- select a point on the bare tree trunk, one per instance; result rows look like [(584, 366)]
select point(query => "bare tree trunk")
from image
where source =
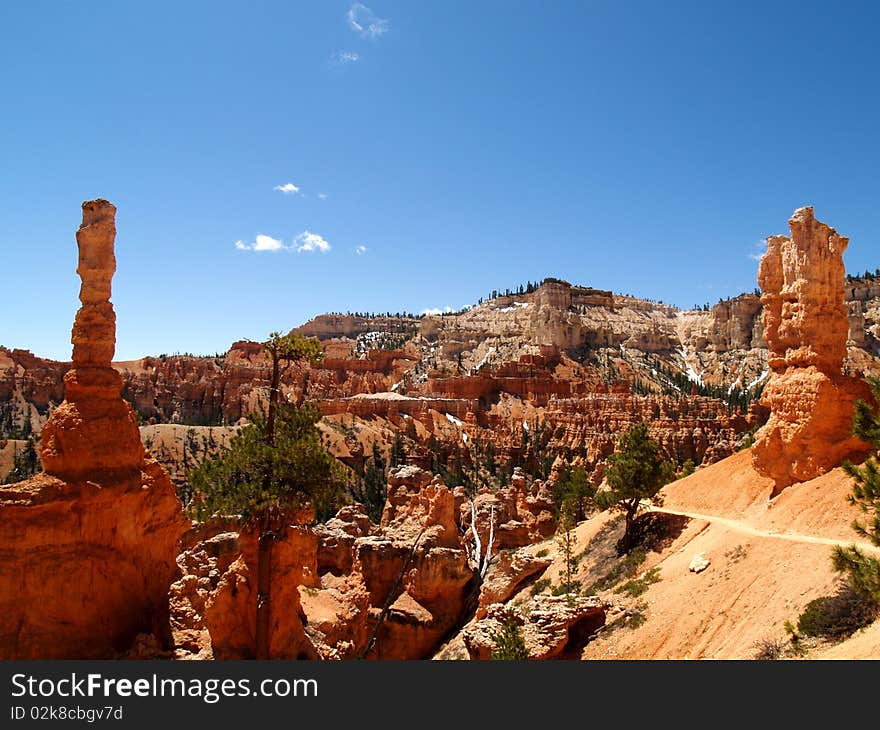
[(274, 394), (628, 536), (264, 585), (305, 387), (386, 607)]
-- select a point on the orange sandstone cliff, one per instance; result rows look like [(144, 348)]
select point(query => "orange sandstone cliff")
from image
[(806, 325), (87, 547)]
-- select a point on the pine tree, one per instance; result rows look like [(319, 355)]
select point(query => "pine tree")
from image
[(636, 471), (566, 539), (24, 463), (862, 570), (272, 466), (509, 642), (397, 455), (574, 493), (372, 489)]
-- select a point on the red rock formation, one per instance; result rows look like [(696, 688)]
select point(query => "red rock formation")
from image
[(201, 566), (336, 615), (553, 627), (330, 584), (230, 609), (391, 405), (87, 549), (522, 515), (416, 565), (213, 602), (696, 428), (806, 326), (37, 381), (75, 442), (507, 574)]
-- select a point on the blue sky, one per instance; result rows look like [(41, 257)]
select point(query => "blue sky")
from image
[(438, 150)]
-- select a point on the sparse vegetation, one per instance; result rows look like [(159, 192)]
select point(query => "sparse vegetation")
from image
[(539, 586), (734, 555), (769, 649), (625, 567), (566, 539), (636, 587), (14, 424), (687, 468), (632, 618), (509, 642)]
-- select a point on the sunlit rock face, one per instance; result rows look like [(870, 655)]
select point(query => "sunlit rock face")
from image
[(87, 548), (806, 325)]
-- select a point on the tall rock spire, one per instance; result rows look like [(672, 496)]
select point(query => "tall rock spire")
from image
[(94, 432), (805, 325), (89, 546)]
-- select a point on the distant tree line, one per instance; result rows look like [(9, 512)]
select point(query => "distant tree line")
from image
[(867, 276), (377, 315)]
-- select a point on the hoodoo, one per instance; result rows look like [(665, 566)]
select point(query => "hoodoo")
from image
[(94, 433), (805, 325), (87, 548)]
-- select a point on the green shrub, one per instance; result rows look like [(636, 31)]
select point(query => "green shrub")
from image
[(509, 642), (638, 586), (626, 567), (837, 616), (632, 619), (540, 585)]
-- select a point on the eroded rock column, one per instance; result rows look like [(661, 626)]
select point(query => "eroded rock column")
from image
[(805, 324), (93, 433)]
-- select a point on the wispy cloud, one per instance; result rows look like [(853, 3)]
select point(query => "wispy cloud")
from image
[(322, 196), (436, 310), (262, 243), (758, 250), (307, 241), (360, 250), (287, 189), (344, 57), (365, 22)]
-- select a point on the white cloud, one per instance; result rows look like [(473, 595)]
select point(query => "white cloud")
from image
[(308, 241), (262, 243), (287, 189), (436, 310), (364, 21), (348, 57), (322, 196), (361, 250)]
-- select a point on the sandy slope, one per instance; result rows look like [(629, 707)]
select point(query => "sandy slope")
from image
[(767, 561)]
